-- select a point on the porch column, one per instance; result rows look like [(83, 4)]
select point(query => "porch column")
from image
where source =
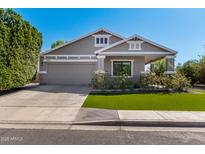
[(152, 67), (100, 63), (170, 65)]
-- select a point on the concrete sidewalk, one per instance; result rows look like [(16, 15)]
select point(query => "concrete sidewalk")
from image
[(139, 118)]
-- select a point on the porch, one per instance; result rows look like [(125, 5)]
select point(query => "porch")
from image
[(134, 65)]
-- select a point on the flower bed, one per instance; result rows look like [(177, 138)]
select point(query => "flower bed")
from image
[(150, 82)]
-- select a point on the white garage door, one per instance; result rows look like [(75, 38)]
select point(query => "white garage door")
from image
[(73, 74)]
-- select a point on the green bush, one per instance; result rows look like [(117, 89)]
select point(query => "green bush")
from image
[(151, 80), (99, 80), (160, 67), (122, 81), (191, 69), (176, 82), (20, 44)]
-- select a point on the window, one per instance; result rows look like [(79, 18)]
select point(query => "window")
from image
[(97, 40), (122, 67), (105, 40), (132, 46), (135, 45), (101, 40)]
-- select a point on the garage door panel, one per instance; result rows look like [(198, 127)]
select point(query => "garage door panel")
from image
[(74, 74)]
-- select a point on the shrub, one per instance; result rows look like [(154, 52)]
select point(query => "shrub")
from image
[(99, 80), (151, 80), (20, 45), (160, 67), (176, 82), (122, 81)]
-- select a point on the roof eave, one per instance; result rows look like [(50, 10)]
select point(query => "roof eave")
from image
[(77, 39), (140, 37)]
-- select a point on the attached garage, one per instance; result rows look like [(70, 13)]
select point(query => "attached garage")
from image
[(69, 73)]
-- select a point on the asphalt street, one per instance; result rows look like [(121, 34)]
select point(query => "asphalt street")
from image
[(93, 137)]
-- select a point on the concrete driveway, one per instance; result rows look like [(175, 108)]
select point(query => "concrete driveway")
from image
[(43, 104)]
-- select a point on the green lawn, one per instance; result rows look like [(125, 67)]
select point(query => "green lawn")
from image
[(174, 101)]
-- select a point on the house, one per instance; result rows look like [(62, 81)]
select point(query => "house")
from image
[(75, 61)]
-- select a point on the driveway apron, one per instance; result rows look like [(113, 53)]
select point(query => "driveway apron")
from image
[(43, 104)]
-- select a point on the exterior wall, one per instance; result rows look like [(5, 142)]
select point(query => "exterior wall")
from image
[(68, 73), (125, 46), (138, 64), (82, 47)]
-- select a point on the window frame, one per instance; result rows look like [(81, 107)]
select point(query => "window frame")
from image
[(135, 44), (101, 40), (121, 60)]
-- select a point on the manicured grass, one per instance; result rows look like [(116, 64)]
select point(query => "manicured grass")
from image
[(160, 101)]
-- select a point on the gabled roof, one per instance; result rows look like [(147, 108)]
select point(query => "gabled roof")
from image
[(139, 37), (77, 39)]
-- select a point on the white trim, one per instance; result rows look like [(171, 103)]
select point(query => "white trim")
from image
[(70, 55), (100, 57), (136, 44), (170, 57), (42, 72), (100, 36), (132, 63), (127, 53), (110, 46), (67, 61), (68, 58), (38, 67), (156, 44), (139, 37), (122, 60), (84, 36)]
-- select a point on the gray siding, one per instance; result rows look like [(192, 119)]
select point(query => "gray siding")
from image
[(138, 64), (81, 47), (125, 46)]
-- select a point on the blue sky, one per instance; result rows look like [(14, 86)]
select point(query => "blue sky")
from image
[(180, 29)]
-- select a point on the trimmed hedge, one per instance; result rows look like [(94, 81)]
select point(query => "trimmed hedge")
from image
[(20, 45)]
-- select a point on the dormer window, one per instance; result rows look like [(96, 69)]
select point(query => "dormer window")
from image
[(101, 40), (135, 45)]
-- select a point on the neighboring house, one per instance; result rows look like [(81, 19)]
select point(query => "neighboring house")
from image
[(102, 50)]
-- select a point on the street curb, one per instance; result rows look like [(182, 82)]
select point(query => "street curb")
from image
[(143, 123), (37, 122), (118, 123)]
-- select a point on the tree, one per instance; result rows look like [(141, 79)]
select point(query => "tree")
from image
[(57, 43), (191, 70), (20, 45), (202, 69), (160, 67)]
